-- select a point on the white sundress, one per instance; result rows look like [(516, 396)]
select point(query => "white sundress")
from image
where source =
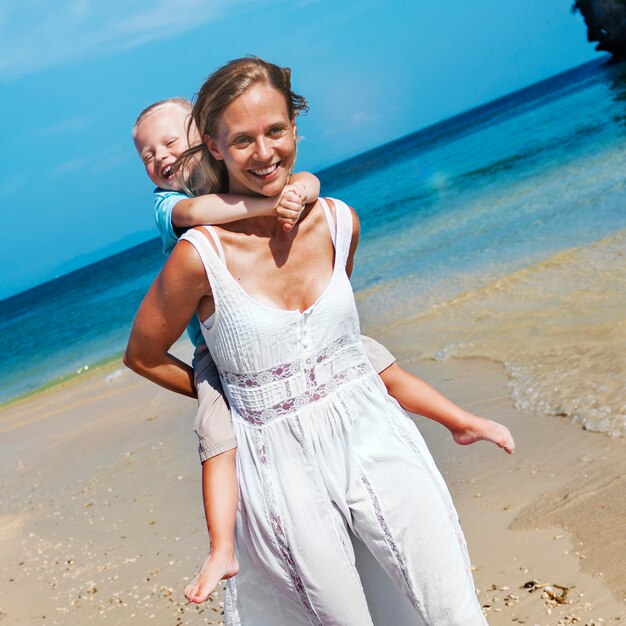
[(343, 517)]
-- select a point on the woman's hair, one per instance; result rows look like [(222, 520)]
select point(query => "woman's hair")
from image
[(219, 90)]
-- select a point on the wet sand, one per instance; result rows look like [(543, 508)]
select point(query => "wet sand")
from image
[(552, 513), (101, 518)]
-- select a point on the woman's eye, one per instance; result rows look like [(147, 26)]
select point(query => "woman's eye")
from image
[(277, 130), (241, 141)]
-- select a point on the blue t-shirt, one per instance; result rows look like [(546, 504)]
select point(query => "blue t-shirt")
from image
[(164, 203)]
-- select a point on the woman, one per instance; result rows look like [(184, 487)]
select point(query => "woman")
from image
[(324, 454)]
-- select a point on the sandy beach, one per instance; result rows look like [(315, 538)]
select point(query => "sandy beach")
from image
[(101, 517)]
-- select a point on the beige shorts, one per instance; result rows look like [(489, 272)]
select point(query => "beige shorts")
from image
[(379, 356), (213, 423)]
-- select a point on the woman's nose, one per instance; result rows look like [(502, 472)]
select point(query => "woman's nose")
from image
[(262, 150)]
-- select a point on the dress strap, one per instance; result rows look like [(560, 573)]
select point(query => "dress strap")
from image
[(343, 215), (216, 241), (213, 262), (205, 250), (329, 219)]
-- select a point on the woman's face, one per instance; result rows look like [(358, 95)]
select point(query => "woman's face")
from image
[(256, 139)]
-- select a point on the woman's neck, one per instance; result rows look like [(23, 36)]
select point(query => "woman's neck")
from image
[(266, 224)]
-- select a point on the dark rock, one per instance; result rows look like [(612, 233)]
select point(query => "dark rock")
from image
[(606, 24)]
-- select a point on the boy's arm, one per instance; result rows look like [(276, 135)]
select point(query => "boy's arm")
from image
[(220, 209), (302, 189), (225, 208), (309, 183)]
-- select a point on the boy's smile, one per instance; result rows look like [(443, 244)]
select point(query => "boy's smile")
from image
[(160, 139)]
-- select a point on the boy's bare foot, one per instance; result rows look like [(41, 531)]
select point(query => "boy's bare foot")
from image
[(479, 429), (218, 565)]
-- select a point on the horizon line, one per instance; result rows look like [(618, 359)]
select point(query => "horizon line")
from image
[(348, 162)]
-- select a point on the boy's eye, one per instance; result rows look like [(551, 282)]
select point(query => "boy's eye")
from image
[(172, 141), (147, 159)]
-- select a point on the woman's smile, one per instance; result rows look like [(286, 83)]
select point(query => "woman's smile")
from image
[(265, 172)]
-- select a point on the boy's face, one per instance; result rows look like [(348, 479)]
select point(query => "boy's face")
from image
[(160, 139)]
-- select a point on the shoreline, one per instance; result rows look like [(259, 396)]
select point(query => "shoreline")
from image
[(97, 472), (67, 379), (107, 364)]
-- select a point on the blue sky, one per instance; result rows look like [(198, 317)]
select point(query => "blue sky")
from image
[(75, 73)]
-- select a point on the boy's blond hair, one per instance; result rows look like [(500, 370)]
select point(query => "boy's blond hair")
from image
[(181, 102)]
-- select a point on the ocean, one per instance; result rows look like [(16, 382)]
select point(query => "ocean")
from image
[(499, 233)]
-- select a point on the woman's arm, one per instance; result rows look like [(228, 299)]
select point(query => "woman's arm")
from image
[(356, 234), (165, 311)]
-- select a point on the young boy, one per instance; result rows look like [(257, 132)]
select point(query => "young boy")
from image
[(160, 136)]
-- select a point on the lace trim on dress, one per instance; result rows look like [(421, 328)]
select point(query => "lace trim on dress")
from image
[(452, 516), (390, 540), (261, 417), (302, 382), (281, 541), (286, 370), (231, 602)]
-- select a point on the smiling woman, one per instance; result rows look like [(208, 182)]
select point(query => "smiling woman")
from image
[(258, 152), (324, 454), (228, 141)]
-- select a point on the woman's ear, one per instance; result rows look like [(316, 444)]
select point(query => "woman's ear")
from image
[(213, 148)]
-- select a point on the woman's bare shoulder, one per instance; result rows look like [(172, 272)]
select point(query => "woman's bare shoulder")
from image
[(184, 264), (206, 236)]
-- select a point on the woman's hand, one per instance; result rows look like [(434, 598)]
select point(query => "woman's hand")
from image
[(290, 204)]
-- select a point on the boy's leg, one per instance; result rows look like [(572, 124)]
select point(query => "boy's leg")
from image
[(219, 478), (220, 493), (417, 396)]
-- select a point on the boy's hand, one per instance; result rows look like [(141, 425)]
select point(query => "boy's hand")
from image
[(290, 205)]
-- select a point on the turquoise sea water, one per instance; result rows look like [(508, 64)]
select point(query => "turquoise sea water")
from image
[(498, 233)]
